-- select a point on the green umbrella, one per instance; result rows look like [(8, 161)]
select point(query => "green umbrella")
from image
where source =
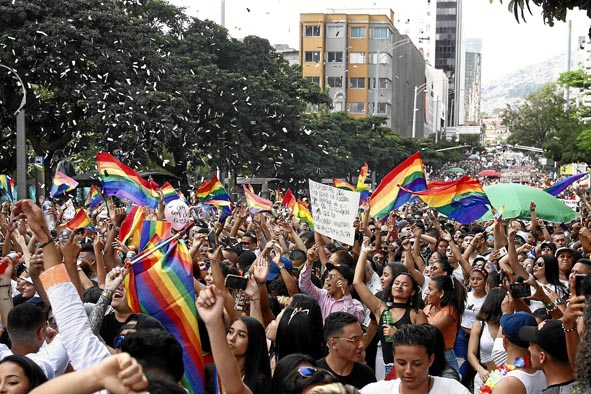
[(516, 198), (457, 170)]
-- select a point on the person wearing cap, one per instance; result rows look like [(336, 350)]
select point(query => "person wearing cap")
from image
[(565, 257), (547, 347), (522, 378), (547, 248), (335, 297)]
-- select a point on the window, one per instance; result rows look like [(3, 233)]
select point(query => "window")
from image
[(357, 83), (316, 80), (357, 108), (335, 31), (357, 32), (337, 106), (312, 31), (335, 57), (385, 58), (334, 82), (312, 56), (384, 83), (379, 32), (383, 108), (357, 58)]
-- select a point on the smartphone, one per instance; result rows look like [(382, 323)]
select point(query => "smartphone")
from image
[(502, 252), (579, 278), (236, 282), (520, 290)]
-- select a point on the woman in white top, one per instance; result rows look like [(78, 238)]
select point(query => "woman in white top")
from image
[(482, 336)]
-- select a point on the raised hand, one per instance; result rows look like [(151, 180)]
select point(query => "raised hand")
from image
[(115, 277), (34, 215), (36, 264), (71, 249), (210, 304), (261, 269), (367, 247)]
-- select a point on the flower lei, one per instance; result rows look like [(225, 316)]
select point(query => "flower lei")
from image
[(501, 371)]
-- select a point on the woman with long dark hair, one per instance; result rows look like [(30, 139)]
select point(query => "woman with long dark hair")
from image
[(401, 310), (20, 375)]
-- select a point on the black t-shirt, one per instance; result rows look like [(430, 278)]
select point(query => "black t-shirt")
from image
[(360, 376), (110, 328)]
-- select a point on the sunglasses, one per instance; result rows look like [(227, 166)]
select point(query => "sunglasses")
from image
[(546, 249), (539, 263), (117, 341), (355, 340)]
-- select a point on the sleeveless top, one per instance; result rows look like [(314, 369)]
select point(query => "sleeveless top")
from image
[(387, 349), (486, 344), (534, 382)]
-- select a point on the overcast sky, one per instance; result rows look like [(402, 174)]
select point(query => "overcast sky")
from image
[(506, 45)]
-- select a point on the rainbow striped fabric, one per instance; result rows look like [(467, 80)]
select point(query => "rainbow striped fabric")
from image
[(388, 196), (341, 184), (94, 198), (256, 203), (289, 200), (362, 188), (168, 193), (559, 186), (7, 184), (123, 182), (130, 231), (304, 214), (61, 184), (80, 220), (462, 200), (213, 191), (161, 285)]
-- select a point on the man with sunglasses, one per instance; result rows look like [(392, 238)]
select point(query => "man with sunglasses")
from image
[(346, 350)]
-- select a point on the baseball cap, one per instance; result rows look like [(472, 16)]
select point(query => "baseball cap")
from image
[(548, 244), (562, 250), (274, 270), (523, 235), (549, 336), (512, 323), (344, 270)]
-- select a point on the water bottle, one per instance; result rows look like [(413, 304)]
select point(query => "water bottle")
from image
[(387, 319), (10, 258), (49, 219)]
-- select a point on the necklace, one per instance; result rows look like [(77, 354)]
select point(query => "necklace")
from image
[(501, 371)]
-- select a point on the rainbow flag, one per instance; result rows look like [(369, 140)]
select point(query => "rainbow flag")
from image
[(341, 184), (123, 182), (278, 196), (94, 198), (213, 191), (7, 183), (61, 184), (256, 203), (80, 220), (462, 200), (168, 193), (130, 231), (289, 200), (559, 186), (362, 188), (388, 196), (161, 285), (304, 214)]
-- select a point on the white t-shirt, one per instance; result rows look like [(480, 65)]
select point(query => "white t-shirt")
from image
[(473, 306), (440, 386)]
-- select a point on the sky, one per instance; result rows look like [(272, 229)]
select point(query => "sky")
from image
[(506, 45)]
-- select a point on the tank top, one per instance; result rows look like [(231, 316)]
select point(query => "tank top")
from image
[(534, 382), (387, 349), (486, 344)]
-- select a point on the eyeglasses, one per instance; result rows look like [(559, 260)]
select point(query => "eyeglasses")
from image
[(378, 258), (117, 341), (355, 340), (539, 264), (546, 249), (373, 230), (332, 276)]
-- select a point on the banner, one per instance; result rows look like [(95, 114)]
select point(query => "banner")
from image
[(334, 211)]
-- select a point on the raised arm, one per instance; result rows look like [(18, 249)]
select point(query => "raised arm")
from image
[(466, 267), (373, 303), (410, 264)]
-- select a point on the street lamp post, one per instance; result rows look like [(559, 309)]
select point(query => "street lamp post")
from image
[(21, 140), (390, 47), (418, 89)]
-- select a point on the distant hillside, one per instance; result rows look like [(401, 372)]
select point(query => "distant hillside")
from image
[(514, 87)]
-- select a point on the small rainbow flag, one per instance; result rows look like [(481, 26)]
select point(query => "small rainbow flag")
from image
[(61, 184), (168, 193), (559, 186), (94, 198), (7, 183), (341, 184), (462, 200), (80, 220), (388, 196), (304, 214), (362, 188), (289, 200), (278, 196), (213, 191), (161, 285), (256, 203), (130, 231), (123, 182)]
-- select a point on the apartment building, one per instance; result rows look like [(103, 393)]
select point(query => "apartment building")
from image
[(366, 66)]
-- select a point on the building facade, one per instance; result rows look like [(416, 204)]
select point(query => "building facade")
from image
[(366, 66), (473, 81)]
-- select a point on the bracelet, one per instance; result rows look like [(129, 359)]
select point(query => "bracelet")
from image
[(549, 304), (568, 329), (552, 309), (107, 293), (41, 246)]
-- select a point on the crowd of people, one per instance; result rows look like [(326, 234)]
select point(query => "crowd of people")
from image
[(418, 304)]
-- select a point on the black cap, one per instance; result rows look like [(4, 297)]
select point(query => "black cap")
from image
[(343, 269), (548, 335)]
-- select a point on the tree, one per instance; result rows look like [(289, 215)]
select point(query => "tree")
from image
[(552, 10)]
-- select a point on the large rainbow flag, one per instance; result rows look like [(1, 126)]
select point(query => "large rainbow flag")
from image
[(161, 285), (256, 203), (61, 184), (123, 182), (388, 196), (213, 193), (559, 186), (462, 200), (7, 183)]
